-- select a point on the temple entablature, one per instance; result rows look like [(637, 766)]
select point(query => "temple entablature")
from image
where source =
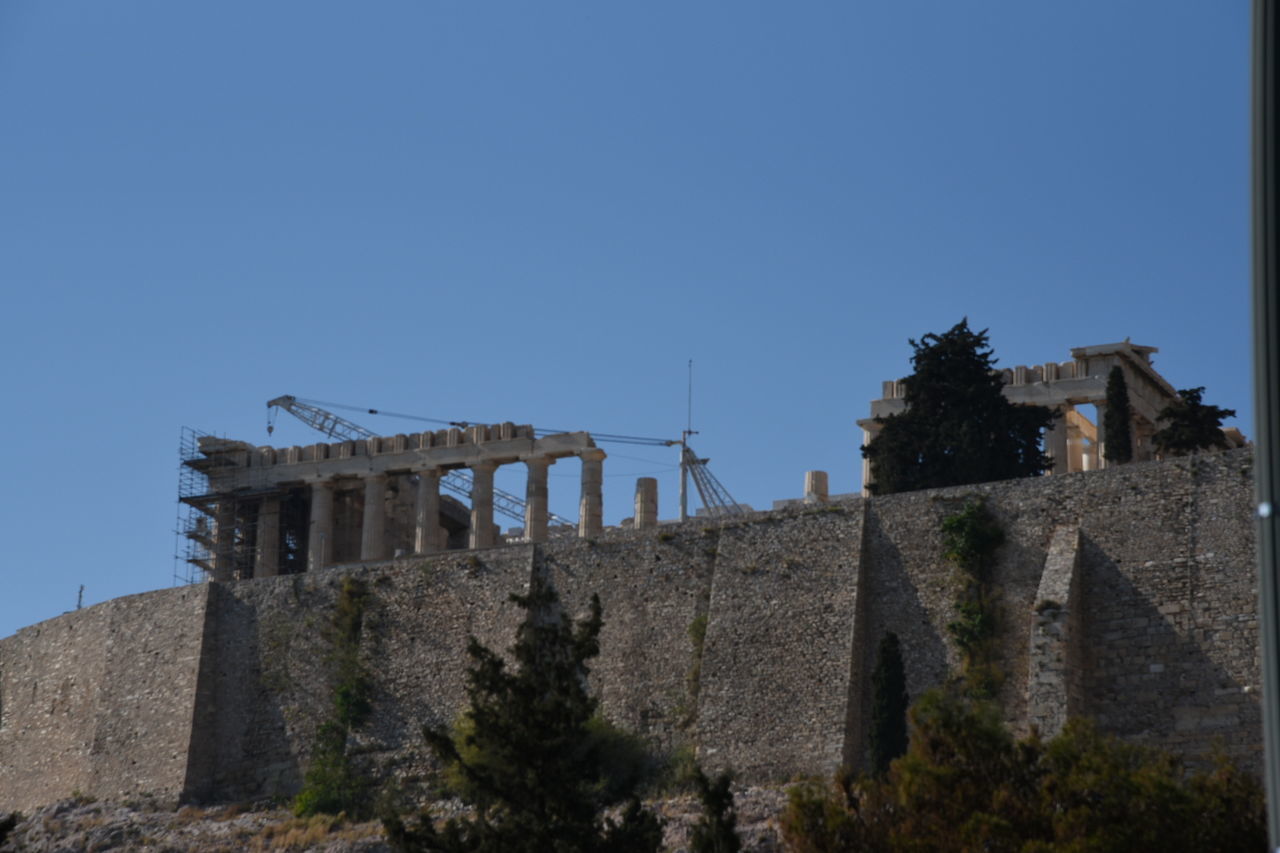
[(283, 510), (1074, 442)]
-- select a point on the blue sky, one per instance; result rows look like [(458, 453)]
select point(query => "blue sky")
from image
[(539, 212)]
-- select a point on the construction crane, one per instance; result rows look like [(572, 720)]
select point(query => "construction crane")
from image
[(457, 481), (715, 497)]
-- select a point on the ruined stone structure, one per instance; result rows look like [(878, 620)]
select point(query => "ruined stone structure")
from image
[(271, 511), (1127, 595), (1073, 442)]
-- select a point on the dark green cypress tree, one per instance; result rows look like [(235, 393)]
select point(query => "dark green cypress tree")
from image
[(530, 759), (958, 427), (888, 705), (1115, 424)]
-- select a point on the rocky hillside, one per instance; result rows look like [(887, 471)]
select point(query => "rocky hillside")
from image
[(82, 826)]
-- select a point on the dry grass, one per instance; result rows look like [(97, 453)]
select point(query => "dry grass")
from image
[(302, 833)]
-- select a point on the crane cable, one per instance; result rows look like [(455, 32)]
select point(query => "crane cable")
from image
[(539, 432)]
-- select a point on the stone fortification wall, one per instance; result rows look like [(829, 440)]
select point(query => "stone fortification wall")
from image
[(269, 669), (779, 668), (99, 700), (1165, 619), (1127, 595)]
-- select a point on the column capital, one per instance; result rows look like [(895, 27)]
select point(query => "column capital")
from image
[(592, 454), (540, 461), (485, 465)]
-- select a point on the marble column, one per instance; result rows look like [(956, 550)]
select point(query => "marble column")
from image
[(591, 504), (266, 556), (482, 504), (373, 544), (320, 528), (1055, 441), (426, 516), (535, 499), (224, 539), (868, 479), (646, 514), (815, 487)]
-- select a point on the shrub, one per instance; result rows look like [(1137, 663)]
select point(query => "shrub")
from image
[(966, 784)]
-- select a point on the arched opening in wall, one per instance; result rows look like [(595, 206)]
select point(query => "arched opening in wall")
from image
[(348, 521), (399, 513), (1091, 446), (245, 537), (511, 479), (295, 516), (564, 495)]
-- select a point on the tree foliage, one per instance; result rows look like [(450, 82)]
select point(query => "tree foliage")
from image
[(888, 705), (332, 784), (1191, 424), (531, 755), (958, 427), (1117, 434), (716, 830), (966, 784)]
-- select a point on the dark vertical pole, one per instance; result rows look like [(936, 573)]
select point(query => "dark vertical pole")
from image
[(1266, 374)]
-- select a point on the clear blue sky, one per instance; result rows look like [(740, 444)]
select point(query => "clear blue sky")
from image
[(539, 212)]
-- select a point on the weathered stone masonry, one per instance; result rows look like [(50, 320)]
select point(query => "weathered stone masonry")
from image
[(1126, 595)]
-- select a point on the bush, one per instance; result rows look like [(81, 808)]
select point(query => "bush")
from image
[(966, 784)]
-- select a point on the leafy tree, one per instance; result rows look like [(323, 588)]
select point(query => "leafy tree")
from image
[(1116, 432), (966, 784), (958, 427), (716, 831), (1191, 424), (528, 755), (888, 705)]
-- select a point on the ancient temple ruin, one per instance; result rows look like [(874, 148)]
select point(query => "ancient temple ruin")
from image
[(1074, 442), (264, 511)]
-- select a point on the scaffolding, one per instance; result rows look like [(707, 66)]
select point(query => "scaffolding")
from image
[(193, 533), (201, 512)]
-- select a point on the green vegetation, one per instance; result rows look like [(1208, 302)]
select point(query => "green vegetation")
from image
[(971, 538), (1116, 433), (716, 830), (332, 784), (958, 427), (531, 755), (1191, 424), (965, 784), (888, 705)]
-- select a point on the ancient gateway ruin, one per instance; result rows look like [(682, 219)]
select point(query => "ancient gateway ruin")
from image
[(1074, 443), (267, 511)]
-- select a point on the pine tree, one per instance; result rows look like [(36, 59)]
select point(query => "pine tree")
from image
[(529, 756), (958, 427), (1115, 424), (1191, 424), (888, 705)]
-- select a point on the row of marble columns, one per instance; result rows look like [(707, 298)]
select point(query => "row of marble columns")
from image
[(428, 536), (1071, 449)]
